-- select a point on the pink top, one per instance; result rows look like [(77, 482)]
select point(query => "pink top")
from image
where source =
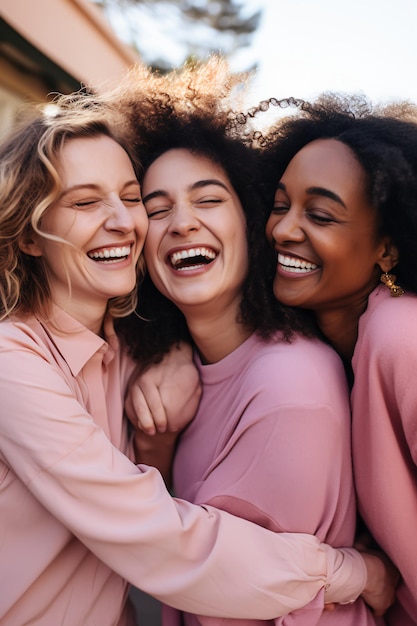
[(271, 443), (74, 507), (384, 401)]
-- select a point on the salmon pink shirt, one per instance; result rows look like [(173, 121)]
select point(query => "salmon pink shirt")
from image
[(78, 518)]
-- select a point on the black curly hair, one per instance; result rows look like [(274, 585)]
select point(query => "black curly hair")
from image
[(384, 142)]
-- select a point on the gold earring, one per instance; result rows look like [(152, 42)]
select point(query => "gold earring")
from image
[(389, 281)]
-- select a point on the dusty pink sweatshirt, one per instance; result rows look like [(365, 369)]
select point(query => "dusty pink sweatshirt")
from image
[(271, 443), (384, 403)]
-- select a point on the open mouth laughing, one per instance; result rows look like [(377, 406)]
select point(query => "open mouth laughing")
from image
[(295, 265), (110, 255), (191, 258)]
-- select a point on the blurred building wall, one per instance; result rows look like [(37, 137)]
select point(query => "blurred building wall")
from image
[(51, 46)]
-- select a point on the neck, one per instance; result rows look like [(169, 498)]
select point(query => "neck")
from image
[(340, 327), (217, 336), (91, 315)]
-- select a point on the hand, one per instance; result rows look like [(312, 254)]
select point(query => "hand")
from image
[(165, 397), (383, 578)]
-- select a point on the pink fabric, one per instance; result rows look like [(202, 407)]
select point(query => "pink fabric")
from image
[(271, 443), (78, 517), (384, 402)]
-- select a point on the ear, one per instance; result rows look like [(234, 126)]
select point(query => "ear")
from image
[(389, 255), (29, 244)]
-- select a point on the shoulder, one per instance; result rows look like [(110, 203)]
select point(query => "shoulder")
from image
[(301, 354), (389, 323), (304, 371), (23, 344), (15, 333)]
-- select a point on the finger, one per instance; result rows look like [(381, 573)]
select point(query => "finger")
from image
[(140, 417), (180, 403), (150, 407), (138, 411)]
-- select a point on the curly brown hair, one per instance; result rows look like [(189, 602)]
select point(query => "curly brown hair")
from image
[(194, 110)]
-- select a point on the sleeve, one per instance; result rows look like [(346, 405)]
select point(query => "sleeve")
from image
[(384, 401), (195, 558), (396, 364), (385, 364)]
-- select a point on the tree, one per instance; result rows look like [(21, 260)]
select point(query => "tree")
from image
[(166, 33)]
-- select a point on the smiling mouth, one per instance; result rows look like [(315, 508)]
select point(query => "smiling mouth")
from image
[(110, 255), (295, 266), (192, 258)]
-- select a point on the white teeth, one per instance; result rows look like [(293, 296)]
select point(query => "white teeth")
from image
[(110, 253), (296, 266), (179, 256)]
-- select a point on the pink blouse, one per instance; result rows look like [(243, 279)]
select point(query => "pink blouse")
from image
[(78, 518)]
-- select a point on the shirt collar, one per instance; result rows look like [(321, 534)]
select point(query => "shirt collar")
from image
[(75, 342)]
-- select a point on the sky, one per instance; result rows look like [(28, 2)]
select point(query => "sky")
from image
[(306, 47)]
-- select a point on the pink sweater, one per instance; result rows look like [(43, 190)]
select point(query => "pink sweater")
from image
[(271, 443), (78, 518), (384, 401)]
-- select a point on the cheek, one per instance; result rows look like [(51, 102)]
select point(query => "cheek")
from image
[(153, 256), (152, 243), (68, 224), (351, 249), (142, 222)]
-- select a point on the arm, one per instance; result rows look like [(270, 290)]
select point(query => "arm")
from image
[(160, 402), (183, 554), (156, 450), (166, 395), (384, 402)]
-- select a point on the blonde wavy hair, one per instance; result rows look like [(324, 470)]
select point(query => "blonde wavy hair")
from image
[(30, 184)]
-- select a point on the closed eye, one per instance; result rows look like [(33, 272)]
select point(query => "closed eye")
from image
[(278, 209), (210, 201), (321, 219), (158, 213), (84, 203)]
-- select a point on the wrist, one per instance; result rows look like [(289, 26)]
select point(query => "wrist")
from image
[(346, 575), (147, 444)]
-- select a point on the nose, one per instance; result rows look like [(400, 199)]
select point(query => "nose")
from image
[(120, 217), (183, 220), (285, 227)]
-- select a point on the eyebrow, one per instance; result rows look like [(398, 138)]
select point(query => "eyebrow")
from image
[(319, 191), (94, 187), (199, 184)]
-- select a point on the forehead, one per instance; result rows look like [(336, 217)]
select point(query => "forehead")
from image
[(327, 163), (180, 166), (81, 157)]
